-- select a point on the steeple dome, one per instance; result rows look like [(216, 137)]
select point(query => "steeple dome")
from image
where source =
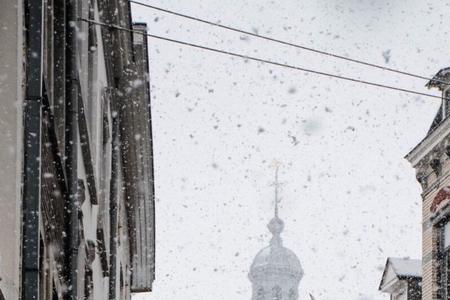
[(276, 271)]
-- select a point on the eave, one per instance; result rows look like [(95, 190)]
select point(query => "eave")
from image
[(429, 142)]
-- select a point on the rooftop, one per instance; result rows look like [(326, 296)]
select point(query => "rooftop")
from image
[(406, 267), (397, 270)]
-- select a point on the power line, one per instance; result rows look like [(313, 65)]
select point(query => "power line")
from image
[(262, 60), (288, 43)]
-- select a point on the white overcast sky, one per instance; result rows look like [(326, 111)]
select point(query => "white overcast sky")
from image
[(350, 199)]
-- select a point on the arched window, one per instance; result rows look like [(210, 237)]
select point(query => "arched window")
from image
[(260, 293), (292, 294), (276, 292)]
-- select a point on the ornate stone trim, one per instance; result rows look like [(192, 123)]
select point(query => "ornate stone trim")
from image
[(429, 143), (442, 195)]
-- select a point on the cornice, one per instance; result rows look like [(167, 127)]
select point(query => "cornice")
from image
[(429, 142)]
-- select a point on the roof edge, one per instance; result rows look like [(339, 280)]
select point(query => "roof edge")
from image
[(428, 142)]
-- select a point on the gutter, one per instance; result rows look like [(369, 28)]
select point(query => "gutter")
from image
[(150, 124)]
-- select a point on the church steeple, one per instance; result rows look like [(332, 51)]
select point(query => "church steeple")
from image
[(276, 225), (276, 271)]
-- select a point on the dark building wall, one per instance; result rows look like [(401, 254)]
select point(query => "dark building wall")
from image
[(97, 227), (138, 161)]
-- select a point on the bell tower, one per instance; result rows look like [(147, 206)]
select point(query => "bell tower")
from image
[(276, 271)]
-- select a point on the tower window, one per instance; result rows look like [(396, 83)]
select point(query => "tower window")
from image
[(260, 294), (276, 293), (292, 294)]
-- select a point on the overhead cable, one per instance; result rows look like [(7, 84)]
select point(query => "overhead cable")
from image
[(246, 57), (357, 61)]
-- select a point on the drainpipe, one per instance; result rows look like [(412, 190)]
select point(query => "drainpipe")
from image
[(71, 151), (32, 151), (114, 190)]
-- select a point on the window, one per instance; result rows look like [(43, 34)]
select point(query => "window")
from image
[(446, 235), (121, 283), (53, 67), (88, 283), (47, 67), (276, 293), (59, 73), (54, 293), (292, 294), (444, 261), (104, 163), (92, 96), (446, 103), (260, 294)]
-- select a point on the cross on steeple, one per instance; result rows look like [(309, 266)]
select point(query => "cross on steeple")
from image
[(277, 185), (276, 225)]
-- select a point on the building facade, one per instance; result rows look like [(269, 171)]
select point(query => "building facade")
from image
[(77, 196), (402, 279), (431, 159)]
